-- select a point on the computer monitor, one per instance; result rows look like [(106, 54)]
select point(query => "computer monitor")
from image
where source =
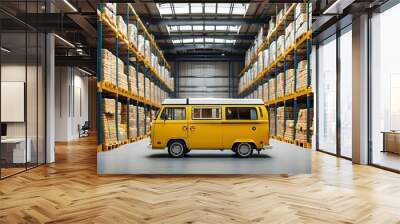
[(3, 129)]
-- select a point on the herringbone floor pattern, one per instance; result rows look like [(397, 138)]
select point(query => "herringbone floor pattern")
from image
[(70, 191)]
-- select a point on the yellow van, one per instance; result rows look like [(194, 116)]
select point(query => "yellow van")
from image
[(182, 125)]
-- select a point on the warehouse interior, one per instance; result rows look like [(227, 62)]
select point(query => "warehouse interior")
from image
[(82, 81)]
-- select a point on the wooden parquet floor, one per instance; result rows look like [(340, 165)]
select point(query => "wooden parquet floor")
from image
[(70, 191)]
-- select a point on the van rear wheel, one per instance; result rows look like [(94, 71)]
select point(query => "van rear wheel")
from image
[(244, 150), (177, 149)]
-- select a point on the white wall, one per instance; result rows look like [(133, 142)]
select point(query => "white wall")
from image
[(207, 79), (71, 102)]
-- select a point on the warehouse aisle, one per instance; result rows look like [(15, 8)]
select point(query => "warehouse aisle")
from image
[(136, 158)]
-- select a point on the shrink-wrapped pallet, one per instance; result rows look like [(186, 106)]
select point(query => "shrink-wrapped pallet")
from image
[(141, 120), (141, 44), (265, 91), (302, 75), (289, 81), (282, 114), (272, 88), (289, 131), (121, 25), (132, 121), (280, 79), (281, 43), (266, 58), (141, 84), (109, 67), (132, 79), (109, 106), (109, 130), (272, 116), (110, 10), (132, 34)]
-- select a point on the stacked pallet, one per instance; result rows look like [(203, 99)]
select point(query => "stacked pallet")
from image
[(132, 34), (265, 94), (300, 16), (109, 66), (147, 86), (109, 130), (280, 92), (289, 35), (259, 92), (122, 78), (282, 114), (289, 82), (153, 92), (301, 125), (140, 44), (122, 122), (272, 50), (272, 92), (302, 74), (281, 45), (121, 25), (272, 120), (132, 80), (289, 131), (110, 10), (141, 120), (132, 121), (148, 120), (141, 84)]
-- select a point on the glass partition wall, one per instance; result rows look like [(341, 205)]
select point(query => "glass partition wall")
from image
[(334, 94), (22, 77), (385, 89)]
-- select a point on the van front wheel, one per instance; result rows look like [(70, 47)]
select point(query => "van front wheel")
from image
[(244, 150), (176, 149)]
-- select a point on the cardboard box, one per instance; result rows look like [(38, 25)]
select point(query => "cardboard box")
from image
[(121, 25), (132, 34)]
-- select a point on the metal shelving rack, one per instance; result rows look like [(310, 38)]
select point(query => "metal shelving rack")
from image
[(109, 35), (300, 48)]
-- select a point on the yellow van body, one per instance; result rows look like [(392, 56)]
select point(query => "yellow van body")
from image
[(211, 123)]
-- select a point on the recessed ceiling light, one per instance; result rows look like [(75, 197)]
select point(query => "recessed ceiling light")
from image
[(5, 50), (70, 5), (64, 40)]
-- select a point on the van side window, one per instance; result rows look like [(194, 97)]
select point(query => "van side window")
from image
[(173, 114), (241, 113), (206, 113)]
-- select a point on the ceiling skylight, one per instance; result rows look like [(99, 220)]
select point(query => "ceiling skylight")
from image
[(200, 28), (201, 40), (239, 9), (164, 9), (181, 8), (209, 28), (223, 8), (210, 8), (196, 8), (221, 28), (200, 8)]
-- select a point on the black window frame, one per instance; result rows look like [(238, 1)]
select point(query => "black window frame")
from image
[(238, 118)]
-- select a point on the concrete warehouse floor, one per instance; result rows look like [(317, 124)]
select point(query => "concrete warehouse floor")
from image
[(136, 158)]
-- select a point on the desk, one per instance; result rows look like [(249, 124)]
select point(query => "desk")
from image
[(13, 150), (391, 141)]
